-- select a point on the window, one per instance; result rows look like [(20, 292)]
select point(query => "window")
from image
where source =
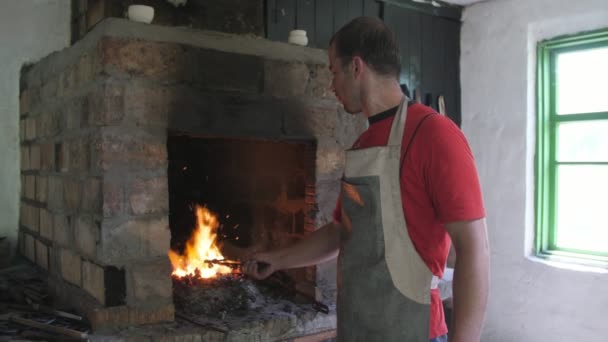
[(572, 149)]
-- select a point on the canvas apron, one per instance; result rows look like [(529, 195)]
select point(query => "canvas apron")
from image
[(383, 284)]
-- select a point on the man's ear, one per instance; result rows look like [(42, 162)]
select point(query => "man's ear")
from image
[(358, 65)]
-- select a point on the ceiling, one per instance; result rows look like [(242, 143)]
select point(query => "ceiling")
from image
[(463, 2)]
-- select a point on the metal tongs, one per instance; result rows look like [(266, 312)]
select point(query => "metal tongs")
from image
[(234, 264)]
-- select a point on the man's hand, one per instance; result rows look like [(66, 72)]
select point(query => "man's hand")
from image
[(260, 266), (320, 246)]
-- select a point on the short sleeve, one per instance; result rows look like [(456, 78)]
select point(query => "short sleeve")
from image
[(449, 172)]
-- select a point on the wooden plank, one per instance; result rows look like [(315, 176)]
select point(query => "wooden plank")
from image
[(371, 8), (50, 328), (272, 32), (355, 9), (415, 50), (396, 18), (305, 19), (340, 12), (452, 72), (439, 40), (324, 23), (319, 337), (447, 11), (427, 80), (283, 19)]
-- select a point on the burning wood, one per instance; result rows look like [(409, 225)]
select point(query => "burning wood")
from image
[(200, 248)]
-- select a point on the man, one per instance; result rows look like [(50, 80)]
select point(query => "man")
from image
[(410, 184)]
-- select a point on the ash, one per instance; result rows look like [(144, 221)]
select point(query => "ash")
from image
[(234, 301)]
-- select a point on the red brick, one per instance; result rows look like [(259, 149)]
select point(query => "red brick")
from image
[(67, 81), (70, 265), (42, 255), (93, 281), (285, 79), (62, 232), (24, 102), (22, 214), (55, 199), (318, 337), (25, 158), (32, 217), (21, 130), (91, 197), (149, 196), (150, 281), (149, 105), (113, 199), (149, 315), (145, 58), (62, 156), (50, 87), (86, 235), (134, 239), (137, 150), (30, 128), (79, 155), (30, 247), (41, 188), (88, 67), (105, 318), (72, 190), (47, 156), (76, 111), (124, 316), (320, 82), (49, 124), (30, 187), (35, 157), (106, 104), (46, 224)]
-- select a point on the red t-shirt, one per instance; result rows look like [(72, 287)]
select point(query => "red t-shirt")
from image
[(439, 184)]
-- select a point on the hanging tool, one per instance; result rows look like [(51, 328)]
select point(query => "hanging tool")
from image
[(441, 105)]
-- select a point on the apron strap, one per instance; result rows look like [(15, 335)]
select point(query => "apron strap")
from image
[(396, 135), (409, 143)]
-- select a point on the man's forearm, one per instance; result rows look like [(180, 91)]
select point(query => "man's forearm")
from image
[(470, 290), (320, 246), (471, 280)]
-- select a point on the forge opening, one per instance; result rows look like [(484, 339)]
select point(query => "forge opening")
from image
[(253, 193), (257, 189)]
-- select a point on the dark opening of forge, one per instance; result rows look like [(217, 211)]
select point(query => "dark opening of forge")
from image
[(262, 191)]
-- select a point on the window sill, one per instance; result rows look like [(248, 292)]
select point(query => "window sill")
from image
[(571, 264)]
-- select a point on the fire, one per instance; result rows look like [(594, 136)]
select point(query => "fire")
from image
[(201, 246)]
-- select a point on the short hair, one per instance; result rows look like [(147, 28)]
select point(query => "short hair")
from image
[(371, 40)]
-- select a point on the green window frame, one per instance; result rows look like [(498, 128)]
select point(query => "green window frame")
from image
[(547, 164)]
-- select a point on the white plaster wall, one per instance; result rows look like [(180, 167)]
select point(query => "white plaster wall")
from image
[(29, 30), (529, 300)]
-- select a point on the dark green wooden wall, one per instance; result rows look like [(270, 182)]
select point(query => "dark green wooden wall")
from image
[(320, 18), (429, 38)]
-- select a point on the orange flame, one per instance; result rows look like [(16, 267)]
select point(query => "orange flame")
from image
[(199, 248)]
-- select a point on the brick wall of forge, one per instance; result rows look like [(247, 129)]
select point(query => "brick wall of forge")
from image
[(94, 125)]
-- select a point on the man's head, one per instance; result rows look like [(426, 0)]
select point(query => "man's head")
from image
[(364, 43)]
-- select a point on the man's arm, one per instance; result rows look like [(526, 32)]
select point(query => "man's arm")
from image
[(320, 246), (471, 278)]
